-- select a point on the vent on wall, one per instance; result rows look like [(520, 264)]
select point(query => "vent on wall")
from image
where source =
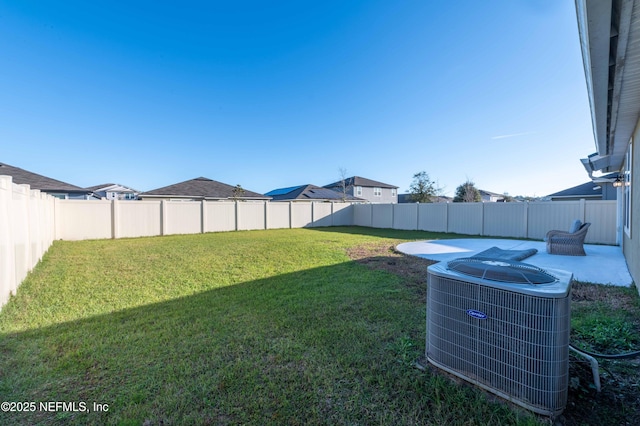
[(511, 339)]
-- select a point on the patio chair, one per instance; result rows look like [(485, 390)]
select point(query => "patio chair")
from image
[(568, 243)]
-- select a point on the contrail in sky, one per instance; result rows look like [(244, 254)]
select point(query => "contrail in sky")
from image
[(512, 135)]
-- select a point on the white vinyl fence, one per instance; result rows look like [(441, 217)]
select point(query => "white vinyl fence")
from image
[(31, 221), (26, 232), (82, 220), (514, 220)]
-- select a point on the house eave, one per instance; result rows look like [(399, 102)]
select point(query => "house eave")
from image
[(610, 45)]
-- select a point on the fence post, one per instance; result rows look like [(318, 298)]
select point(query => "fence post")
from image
[(163, 217), (393, 216), (203, 216), (266, 215), (370, 215), (290, 214), (236, 214), (583, 210), (353, 215), (36, 223), (332, 212), (56, 219), (115, 219), (526, 219), (446, 218)]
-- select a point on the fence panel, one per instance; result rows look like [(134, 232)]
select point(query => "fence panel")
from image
[(138, 219), (342, 214), (545, 216), (26, 232), (433, 217), (362, 215), (602, 216), (465, 218), (322, 214), (220, 216), (47, 222), (251, 216), (382, 215), (7, 247), (21, 238), (301, 215), (405, 216), (182, 217), (278, 215), (34, 231), (83, 219), (505, 219)]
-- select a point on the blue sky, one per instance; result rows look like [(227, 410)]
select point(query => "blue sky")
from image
[(271, 94)]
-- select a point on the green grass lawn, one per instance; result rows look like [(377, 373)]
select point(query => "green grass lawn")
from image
[(260, 327)]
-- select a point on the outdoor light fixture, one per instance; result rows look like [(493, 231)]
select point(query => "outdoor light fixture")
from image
[(618, 182)]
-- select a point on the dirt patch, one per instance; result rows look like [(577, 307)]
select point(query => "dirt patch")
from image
[(584, 294), (385, 257), (618, 403)]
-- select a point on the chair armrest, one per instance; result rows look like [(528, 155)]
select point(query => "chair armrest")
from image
[(556, 233)]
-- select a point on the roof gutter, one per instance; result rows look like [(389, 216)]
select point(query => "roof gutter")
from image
[(604, 29), (594, 27)]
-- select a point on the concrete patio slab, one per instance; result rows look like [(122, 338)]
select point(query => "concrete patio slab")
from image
[(601, 265)]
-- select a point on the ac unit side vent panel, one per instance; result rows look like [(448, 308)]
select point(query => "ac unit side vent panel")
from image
[(513, 344)]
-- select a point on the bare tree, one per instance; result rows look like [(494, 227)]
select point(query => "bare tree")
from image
[(343, 183)]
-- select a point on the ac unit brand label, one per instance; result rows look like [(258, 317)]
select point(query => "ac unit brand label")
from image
[(476, 314)]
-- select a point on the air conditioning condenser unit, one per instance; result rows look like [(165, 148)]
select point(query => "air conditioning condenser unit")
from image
[(503, 326)]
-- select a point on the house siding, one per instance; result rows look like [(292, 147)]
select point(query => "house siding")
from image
[(385, 196), (631, 244), (609, 192)]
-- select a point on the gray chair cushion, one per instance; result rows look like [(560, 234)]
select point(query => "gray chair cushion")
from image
[(575, 226)]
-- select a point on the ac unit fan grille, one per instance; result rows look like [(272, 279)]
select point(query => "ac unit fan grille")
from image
[(501, 270)]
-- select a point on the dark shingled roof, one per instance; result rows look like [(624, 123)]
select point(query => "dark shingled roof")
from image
[(308, 192), (585, 190), (201, 188), (36, 181), (360, 181)]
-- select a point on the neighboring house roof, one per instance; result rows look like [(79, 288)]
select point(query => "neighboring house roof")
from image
[(309, 193), (36, 181), (111, 187), (492, 194), (360, 181), (488, 194), (204, 188), (99, 187), (586, 190)]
